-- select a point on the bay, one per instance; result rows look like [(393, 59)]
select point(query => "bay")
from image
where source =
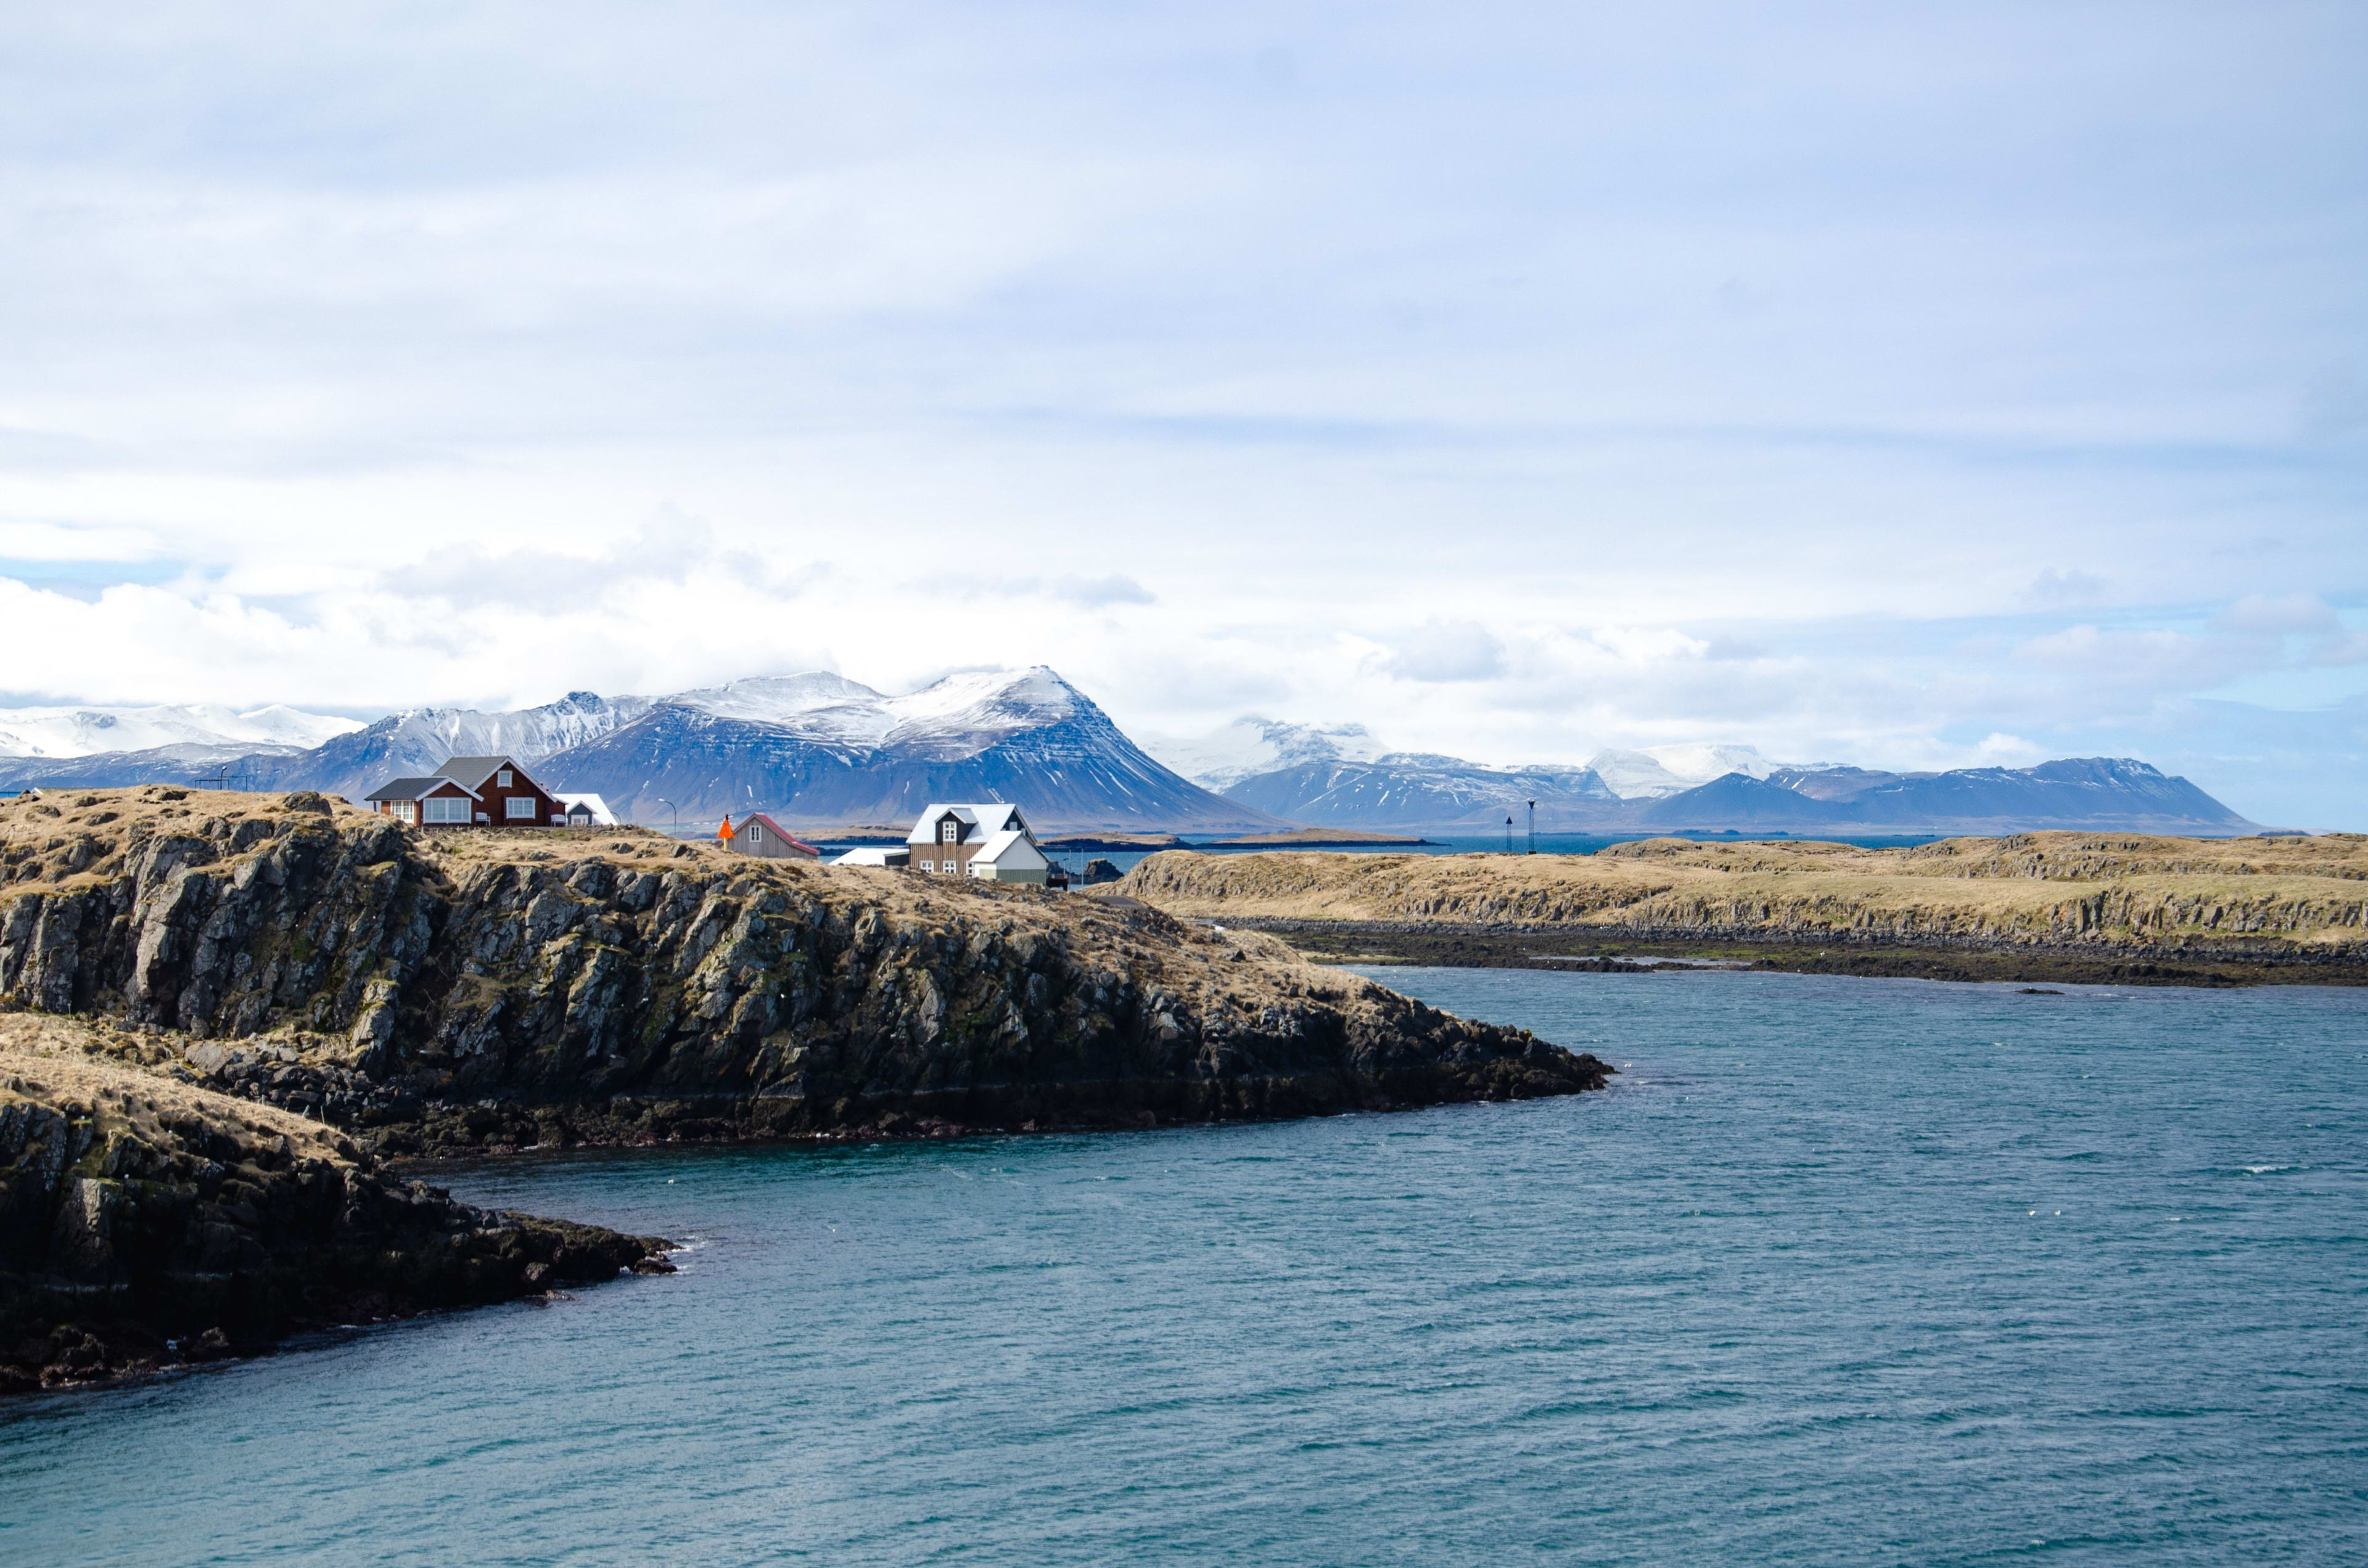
[(1839, 1271)]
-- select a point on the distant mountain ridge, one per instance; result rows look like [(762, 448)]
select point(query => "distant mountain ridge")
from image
[(84, 730), (814, 750), (1413, 790), (1418, 793), (817, 751)]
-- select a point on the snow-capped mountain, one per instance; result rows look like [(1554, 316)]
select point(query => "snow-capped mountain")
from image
[(1656, 771), (816, 750), (84, 732), (1251, 746), (820, 751), (958, 716), (1406, 790)]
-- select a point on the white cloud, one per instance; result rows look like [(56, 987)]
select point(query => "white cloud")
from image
[(1513, 386), (1443, 650)]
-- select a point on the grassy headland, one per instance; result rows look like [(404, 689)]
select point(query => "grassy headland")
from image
[(2065, 906)]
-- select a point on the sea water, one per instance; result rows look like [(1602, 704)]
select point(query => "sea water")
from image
[(1841, 1271)]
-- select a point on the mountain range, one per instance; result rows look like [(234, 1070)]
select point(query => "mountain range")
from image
[(1694, 788), (816, 750), (819, 750)]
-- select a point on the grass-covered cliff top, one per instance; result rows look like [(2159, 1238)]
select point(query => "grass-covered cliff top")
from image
[(79, 839), (2085, 888)]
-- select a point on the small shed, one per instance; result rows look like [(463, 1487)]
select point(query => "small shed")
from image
[(761, 836), (894, 857), (585, 811)]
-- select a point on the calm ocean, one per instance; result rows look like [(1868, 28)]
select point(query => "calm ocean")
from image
[(1843, 1271)]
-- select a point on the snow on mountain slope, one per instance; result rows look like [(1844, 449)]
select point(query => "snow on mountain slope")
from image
[(1251, 746), (1414, 791), (420, 740), (825, 755), (959, 716), (87, 731), (1656, 771)]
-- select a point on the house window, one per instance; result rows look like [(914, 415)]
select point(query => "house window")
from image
[(407, 811), (519, 807), (757, 833), (504, 779), (928, 865), (947, 831), (446, 810)]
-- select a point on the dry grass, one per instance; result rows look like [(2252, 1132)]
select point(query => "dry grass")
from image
[(2104, 888), (69, 839), (113, 1076)]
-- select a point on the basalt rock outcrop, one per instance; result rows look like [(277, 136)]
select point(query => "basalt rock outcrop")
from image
[(505, 988), (147, 1224)]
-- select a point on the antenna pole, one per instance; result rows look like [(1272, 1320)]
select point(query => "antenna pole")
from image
[(1534, 827)]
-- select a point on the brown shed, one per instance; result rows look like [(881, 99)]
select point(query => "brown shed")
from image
[(760, 834)]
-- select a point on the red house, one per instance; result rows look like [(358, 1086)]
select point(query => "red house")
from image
[(470, 792)]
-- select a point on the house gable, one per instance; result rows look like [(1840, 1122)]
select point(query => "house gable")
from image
[(470, 792)]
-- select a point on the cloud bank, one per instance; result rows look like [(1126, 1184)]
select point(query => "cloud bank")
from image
[(1898, 389)]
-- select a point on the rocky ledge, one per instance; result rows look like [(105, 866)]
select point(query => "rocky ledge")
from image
[(492, 989), (147, 1224)]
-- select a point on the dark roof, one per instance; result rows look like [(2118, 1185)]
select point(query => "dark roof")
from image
[(473, 771), (412, 788)]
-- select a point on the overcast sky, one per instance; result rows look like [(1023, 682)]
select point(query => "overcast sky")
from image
[(1864, 384)]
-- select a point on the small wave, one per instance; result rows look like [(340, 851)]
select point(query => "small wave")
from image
[(2265, 1170)]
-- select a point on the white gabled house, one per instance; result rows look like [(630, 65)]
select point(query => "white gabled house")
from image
[(991, 840)]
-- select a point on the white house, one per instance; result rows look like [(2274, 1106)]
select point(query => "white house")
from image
[(991, 840)]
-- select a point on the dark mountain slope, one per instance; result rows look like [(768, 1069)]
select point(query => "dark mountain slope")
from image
[(1075, 772), (2093, 793)]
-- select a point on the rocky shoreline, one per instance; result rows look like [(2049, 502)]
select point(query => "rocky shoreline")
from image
[(440, 993), (147, 1223), (269, 997), (1589, 949)]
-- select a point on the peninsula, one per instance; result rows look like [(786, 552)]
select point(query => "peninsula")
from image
[(297, 991), (2066, 906)]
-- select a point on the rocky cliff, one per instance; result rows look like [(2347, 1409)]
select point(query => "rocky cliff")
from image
[(495, 989), (147, 1224)]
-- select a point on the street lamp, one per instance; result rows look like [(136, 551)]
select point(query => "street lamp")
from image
[(671, 811)]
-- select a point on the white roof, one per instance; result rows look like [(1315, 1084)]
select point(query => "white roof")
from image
[(989, 819), (869, 855), (602, 815), (1011, 847)]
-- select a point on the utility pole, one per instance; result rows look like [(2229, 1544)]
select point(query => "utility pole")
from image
[(1534, 827)]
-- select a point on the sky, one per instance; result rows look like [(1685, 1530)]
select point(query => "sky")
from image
[(1903, 386)]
